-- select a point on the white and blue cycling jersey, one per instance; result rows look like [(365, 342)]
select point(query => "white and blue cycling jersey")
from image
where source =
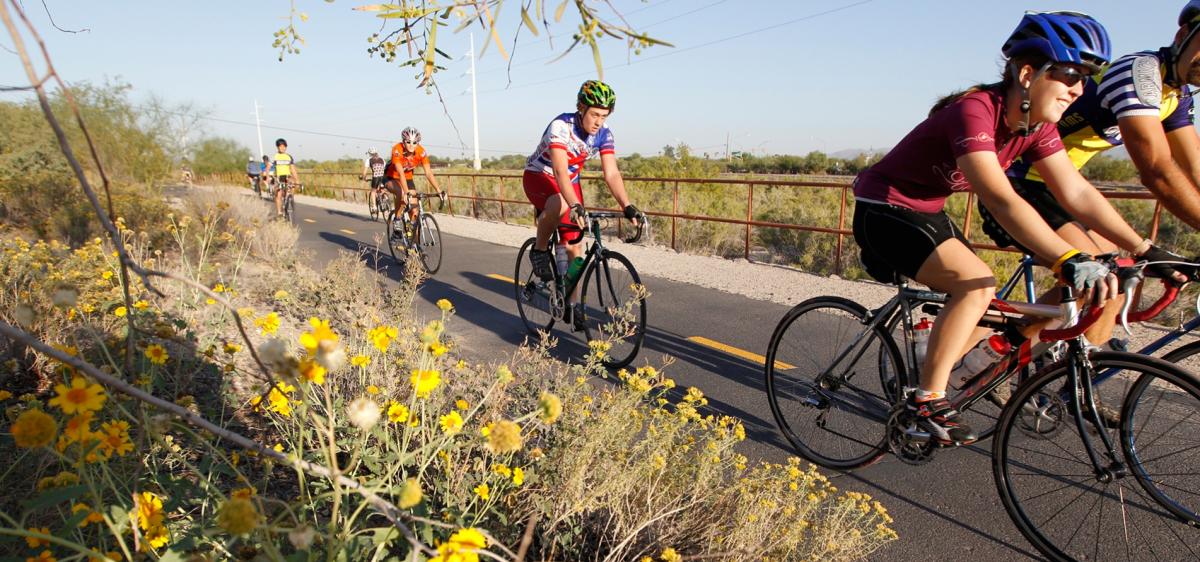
[(565, 132)]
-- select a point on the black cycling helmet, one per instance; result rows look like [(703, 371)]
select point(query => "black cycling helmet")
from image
[(1189, 19), (279, 142)]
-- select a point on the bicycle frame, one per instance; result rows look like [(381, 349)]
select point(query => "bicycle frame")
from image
[(593, 252)]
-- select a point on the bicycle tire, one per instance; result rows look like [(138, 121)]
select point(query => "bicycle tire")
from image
[(1177, 411), (373, 207), (397, 244), (428, 243), (1187, 357), (539, 302), (1026, 447), (619, 314), (857, 438), (289, 207)]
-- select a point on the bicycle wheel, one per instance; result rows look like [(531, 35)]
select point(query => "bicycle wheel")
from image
[(289, 207), (397, 244), (1054, 494), (1186, 357), (835, 415), (618, 314), (428, 242), (373, 206), (1160, 430), (538, 302)]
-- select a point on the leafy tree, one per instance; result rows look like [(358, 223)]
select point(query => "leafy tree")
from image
[(1108, 168), (219, 155)]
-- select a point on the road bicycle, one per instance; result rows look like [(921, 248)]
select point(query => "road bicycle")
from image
[(423, 238), (256, 185), (289, 200), (380, 204), (618, 314), (1075, 485)]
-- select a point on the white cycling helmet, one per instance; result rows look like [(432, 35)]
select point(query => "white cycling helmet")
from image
[(249, 158), (372, 151), (410, 134)]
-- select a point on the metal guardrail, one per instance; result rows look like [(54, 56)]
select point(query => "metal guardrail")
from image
[(451, 182)]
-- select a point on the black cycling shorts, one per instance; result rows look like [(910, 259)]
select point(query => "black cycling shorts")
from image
[(378, 182), (1039, 197), (895, 240)]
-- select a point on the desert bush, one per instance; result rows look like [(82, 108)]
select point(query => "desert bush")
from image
[(615, 469)]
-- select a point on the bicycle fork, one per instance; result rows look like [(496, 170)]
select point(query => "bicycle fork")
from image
[(1078, 373)]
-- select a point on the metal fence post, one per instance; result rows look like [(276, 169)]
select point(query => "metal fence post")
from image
[(1154, 223), (501, 191), (967, 215), (837, 264), (749, 215), (674, 213), (474, 198)]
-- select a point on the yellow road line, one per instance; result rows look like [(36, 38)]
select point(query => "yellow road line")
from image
[(310, 220), (499, 277), (737, 351), (346, 231)]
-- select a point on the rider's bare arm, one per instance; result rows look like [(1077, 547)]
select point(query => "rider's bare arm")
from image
[(612, 177), (1151, 152), (1085, 202), (1185, 149), (988, 181), (430, 178)]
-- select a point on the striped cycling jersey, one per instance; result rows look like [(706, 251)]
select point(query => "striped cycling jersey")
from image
[(1132, 85), (282, 165), (565, 132)]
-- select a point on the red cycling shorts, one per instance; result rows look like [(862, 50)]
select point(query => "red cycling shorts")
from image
[(538, 188)]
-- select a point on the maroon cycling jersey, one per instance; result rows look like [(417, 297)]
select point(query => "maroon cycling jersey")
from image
[(921, 172)]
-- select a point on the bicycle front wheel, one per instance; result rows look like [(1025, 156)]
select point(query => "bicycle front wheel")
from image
[(538, 302), (618, 313), (397, 244), (429, 243), (289, 208), (827, 384), (1054, 493)]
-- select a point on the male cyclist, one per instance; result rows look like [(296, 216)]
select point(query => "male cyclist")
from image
[(373, 170), (253, 173), (406, 156), (284, 171), (1142, 100), (551, 178)]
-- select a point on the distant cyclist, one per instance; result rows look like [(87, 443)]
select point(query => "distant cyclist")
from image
[(254, 172), (1143, 101), (283, 169), (551, 178), (966, 143), (374, 168), (406, 156)]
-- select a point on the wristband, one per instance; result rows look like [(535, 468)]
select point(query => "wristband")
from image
[(1063, 258), (1144, 247)]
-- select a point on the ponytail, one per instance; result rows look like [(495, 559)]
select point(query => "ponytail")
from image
[(945, 101), (1011, 68)]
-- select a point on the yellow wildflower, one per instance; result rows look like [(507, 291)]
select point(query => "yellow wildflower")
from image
[(107, 275), (5, 395), (281, 294), (141, 305), (360, 360), (549, 407), (210, 301), (397, 412), (318, 335), (504, 437), (445, 305), (410, 495), (451, 423), (437, 349), (267, 325), (35, 542), (372, 389), (218, 288), (424, 382), (45, 556), (120, 312), (114, 438), (518, 476), (33, 428), (483, 491), (149, 511), (238, 516), (669, 555), (504, 374), (312, 372), (79, 397), (92, 516), (462, 404), (231, 348), (381, 337), (157, 354)]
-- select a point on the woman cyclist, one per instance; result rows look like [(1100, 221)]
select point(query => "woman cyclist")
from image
[(373, 171), (551, 178), (966, 143), (406, 156)]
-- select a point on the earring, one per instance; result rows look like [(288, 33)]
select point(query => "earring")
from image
[(1025, 106)]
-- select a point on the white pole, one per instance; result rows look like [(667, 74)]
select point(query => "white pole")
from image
[(258, 125), (474, 106)]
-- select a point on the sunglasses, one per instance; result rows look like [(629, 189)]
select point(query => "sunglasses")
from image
[(1066, 74)]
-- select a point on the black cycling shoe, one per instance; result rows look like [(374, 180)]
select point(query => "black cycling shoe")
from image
[(940, 419), (542, 262), (577, 317)]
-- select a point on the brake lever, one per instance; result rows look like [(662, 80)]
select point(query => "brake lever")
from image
[(1130, 278)]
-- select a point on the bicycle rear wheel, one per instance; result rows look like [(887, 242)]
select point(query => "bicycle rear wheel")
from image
[(618, 314), (538, 302), (397, 243), (826, 382), (373, 206), (428, 243), (1050, 487)]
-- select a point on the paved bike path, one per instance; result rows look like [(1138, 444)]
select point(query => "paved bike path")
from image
[(946, 510)]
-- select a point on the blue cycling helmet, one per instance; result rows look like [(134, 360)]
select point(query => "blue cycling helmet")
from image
[(1069, 37)]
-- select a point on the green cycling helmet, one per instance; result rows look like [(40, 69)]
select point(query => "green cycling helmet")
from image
[(595, 93)]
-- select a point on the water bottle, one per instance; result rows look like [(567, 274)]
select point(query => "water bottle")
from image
[(920, 335), (574, 270), (560, 257), (982, 356)]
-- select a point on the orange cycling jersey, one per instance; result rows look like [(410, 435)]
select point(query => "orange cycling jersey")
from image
[(406, 162)]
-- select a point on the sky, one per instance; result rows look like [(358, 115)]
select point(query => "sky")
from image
[(769, 77)]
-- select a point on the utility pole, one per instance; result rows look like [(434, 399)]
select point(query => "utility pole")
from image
[(258, 125), (474, 106), (727, 146)]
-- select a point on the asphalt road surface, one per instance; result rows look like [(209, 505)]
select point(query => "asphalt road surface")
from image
[(945, 510)]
